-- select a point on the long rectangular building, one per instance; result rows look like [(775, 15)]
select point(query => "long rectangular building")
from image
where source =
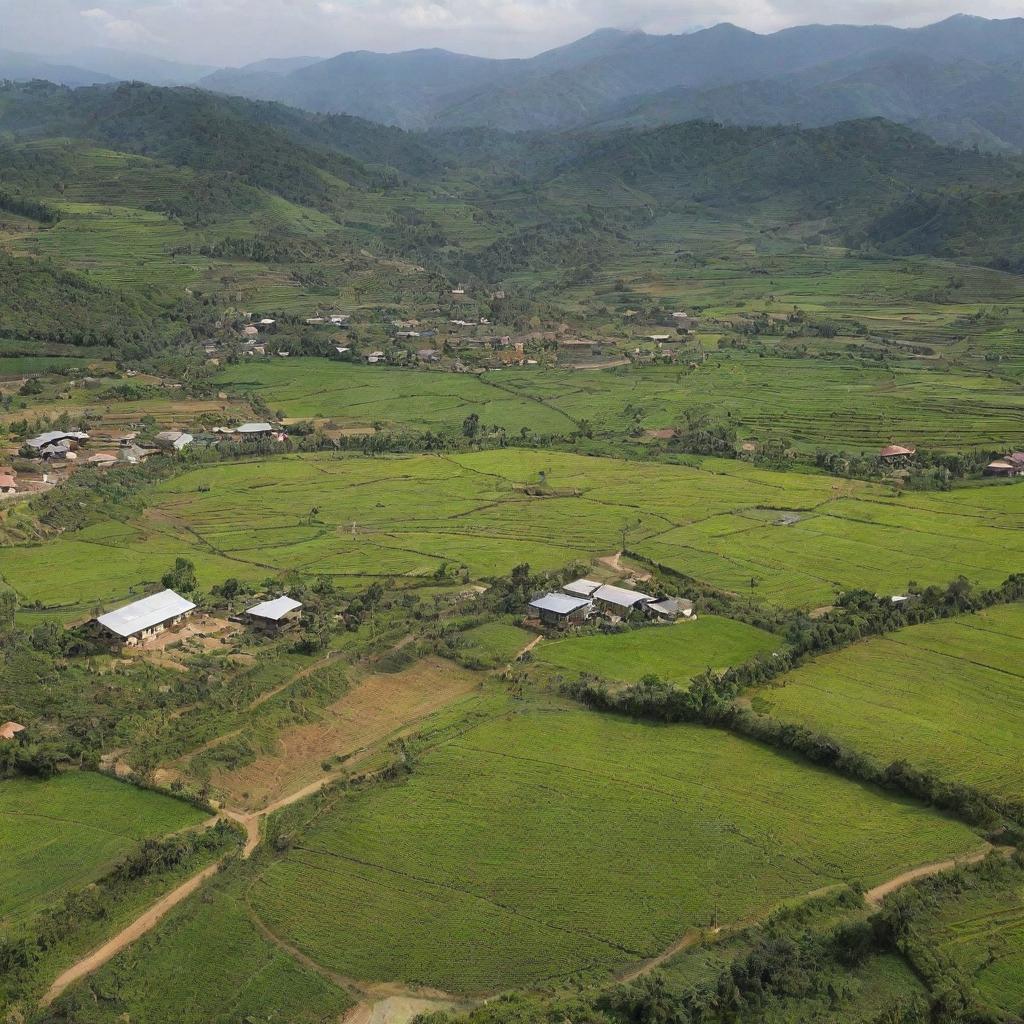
[(141, 620)]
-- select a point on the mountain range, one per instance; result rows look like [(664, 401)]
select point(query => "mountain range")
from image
[(960, 80)]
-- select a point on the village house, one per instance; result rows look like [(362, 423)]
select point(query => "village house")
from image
[(10, 729), (140, 621), (8, 485), (619, 600), (375, 357), (340, 319), (173, 440), (102, 460), (274, 616), (896, 454), (68, 440), (581, 588), (561, 610), (254, 431), (671, 609), (1012, 465)]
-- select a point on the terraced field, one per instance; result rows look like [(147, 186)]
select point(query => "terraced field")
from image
[(676, 653), (61, 834), (982, 930), (555, 842), (947, 696), (715, 521)]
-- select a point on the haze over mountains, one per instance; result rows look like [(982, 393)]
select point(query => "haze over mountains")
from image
[(960, 80)]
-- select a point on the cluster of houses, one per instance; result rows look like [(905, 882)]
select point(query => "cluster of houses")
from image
[(581, 600), (1010, 465), (136, 623)]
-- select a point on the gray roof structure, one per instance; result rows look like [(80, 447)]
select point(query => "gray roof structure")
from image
[(255, 428), (144, 614), (274, 610), (620, 596), (560, 604), (581, 588), (55, 436)]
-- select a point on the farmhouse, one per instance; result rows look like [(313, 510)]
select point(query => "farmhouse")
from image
[(1011, 465), (375, 357), (173, 440), (561, 610), (581, 588), (619, 600), (140, 621), (896, 453), (102, 460), (9, 730), (8, 485), (69, 438), (249, 431), (671, 608), (273, 616)]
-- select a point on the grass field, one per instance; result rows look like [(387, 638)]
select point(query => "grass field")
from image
[(61, 834), (947, 696), (808, 403), (206, 964), (713, 520), (676, 653), (549, 843), (494, 643)]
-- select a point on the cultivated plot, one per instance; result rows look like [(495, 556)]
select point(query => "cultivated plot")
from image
[(556, 842)]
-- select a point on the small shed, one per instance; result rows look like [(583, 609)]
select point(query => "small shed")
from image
[(273, 616), (671, 609), (561, 610)]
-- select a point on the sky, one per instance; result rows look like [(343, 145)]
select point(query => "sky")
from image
[(235, 32)]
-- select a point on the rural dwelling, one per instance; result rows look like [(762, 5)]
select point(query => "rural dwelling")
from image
[(173, 440), (619, 600), (274, 616), (581, 588), (896, 454), (70, 439), (140, 621), (8, 485), (375, 357), (1011, 465), (9, 730), (102, 460), (561, 610), (249, 431), (339, 319), (671, 608)]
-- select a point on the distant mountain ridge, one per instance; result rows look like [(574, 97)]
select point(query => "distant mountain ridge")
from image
[(810, 75)]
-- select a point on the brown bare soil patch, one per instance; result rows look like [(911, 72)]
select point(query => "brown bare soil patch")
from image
[(376, 709)]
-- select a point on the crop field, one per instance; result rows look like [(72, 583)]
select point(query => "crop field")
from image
[(946, 696), (982, 931), (63, 833), (375, 709), (676, 653), (554, 842), (494, 643), (808, 403), (714, 520), (206, 964), (354, 395), (840, 404)]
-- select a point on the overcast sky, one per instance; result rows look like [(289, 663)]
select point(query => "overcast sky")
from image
[(235, 32)]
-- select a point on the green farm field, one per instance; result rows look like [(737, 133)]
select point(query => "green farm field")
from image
[(947, 696), (836, 404), (713, 520), (206, 964), (555, 842), (61, 834), (982, 931), (676, 653)]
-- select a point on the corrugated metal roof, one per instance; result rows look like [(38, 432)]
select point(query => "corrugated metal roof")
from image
[(150, 611), (254, 428), (581, 587), (276, 609), (560, 604), (56, 435), (620, 596)]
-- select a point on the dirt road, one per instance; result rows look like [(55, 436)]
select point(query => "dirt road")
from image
[(876, 895)]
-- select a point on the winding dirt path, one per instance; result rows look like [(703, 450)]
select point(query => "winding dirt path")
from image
[(875, 896), (148, 920)]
